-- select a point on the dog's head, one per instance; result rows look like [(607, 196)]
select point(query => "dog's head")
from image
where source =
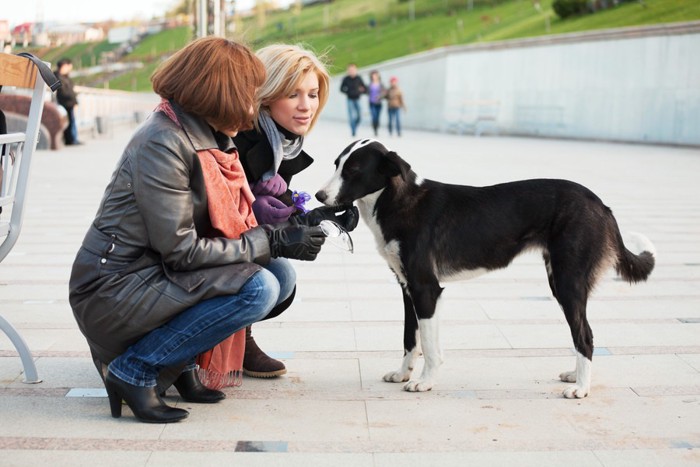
[(363, 168)]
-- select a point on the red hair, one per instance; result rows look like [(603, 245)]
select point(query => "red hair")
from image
[(213, 78)]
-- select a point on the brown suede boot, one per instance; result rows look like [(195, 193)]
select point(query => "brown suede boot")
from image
[(257, 363)]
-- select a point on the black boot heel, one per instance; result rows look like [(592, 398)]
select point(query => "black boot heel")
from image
[(192, 390), (115, 403), (145, 403)]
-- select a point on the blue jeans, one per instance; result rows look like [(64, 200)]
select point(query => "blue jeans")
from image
[(74, 126), (354, 114), (395, 118), (286, 276), (375, 110), (204, 325), (70, 134)]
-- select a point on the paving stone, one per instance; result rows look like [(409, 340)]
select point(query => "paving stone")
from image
[(498, 400)]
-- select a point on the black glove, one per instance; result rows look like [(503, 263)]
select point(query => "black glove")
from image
[(347, 220), (294, 241)]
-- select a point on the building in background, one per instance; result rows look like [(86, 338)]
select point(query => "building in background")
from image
[(5, 36)]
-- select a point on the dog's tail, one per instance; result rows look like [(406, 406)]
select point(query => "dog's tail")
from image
[(635, 267)]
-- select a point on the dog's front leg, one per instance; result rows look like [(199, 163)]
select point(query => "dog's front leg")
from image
[(411, 343), (428, 324), (581, 376), (431, 354)]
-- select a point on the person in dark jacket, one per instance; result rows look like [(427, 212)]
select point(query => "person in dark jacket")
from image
[(290, 102), (68, 99), (353, 87), (160, 277)]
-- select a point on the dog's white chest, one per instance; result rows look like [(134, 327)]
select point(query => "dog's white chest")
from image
[(389, 251)]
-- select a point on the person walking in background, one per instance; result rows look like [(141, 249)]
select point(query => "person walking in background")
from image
[(395, 103), (68, 99), (353, 87), (289, 104), (174, 261), (376, 92)]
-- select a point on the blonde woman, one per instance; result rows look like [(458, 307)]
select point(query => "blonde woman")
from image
[(289, 104)]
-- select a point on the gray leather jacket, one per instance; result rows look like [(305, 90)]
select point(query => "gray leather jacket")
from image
[(147, 255)]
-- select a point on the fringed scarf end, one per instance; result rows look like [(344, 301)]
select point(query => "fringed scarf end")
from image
[(216, 380)]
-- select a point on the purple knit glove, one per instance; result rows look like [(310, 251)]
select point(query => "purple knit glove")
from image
[(270, 210), (273, 187)]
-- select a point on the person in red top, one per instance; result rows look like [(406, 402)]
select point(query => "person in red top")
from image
[(394, 97)]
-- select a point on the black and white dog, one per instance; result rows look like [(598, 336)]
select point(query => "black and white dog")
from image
[(430, 232)]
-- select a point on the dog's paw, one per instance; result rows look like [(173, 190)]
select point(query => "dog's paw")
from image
[(568, 376), (397, 377), (576, 392), (418, 385)]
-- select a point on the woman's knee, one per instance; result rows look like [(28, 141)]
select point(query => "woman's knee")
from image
[(285, 275), (264, 290)]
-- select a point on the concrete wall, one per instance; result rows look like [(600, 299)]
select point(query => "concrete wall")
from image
[(632, 85)]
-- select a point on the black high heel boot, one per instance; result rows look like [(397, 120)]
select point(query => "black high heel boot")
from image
[(192, 390), (144, 402)]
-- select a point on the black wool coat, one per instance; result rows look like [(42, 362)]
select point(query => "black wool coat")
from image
[(257, 158)]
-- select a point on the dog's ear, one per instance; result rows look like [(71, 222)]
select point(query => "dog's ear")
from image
[(392, 165)]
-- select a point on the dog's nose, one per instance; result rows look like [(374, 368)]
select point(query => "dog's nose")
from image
[(321, 196)]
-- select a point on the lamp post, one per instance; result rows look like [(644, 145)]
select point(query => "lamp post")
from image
[(216, 9), (203, 17)]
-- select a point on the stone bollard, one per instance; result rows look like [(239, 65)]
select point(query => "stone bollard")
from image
[(102, 125)]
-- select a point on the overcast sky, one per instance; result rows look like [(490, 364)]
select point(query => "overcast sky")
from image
[(25, 11)]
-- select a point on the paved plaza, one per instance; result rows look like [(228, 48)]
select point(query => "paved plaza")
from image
[(498, 399)]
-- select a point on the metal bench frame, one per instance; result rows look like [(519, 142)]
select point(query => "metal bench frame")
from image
[(19, 72)]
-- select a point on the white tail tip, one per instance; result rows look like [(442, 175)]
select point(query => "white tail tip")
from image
[(637, 243)]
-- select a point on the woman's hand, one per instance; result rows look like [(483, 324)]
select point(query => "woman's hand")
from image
[(270, 210), (295, 241), (272, 187), (347, 216)]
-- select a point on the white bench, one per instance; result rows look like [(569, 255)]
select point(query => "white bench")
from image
[(16, 151)]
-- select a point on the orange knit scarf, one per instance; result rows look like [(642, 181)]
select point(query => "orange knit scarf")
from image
[(230, 211)]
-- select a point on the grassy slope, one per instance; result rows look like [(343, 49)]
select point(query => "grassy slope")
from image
[(395, 35), (342, 29), (163, 43), (83, 55)]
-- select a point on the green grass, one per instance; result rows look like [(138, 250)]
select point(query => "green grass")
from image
[(150, 51), (93, 58), (51, 55), (137, 81), (341, 29), (83, 55), (155, 46), (395, 35)]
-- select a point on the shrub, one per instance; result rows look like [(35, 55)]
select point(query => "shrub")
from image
[(566, 8)]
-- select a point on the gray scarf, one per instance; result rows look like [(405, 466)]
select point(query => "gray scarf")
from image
[(282, 148)]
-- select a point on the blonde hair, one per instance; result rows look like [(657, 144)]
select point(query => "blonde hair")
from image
[(286, 66), (213, 78)]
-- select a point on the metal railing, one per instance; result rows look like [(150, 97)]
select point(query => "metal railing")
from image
[(99, 110)]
